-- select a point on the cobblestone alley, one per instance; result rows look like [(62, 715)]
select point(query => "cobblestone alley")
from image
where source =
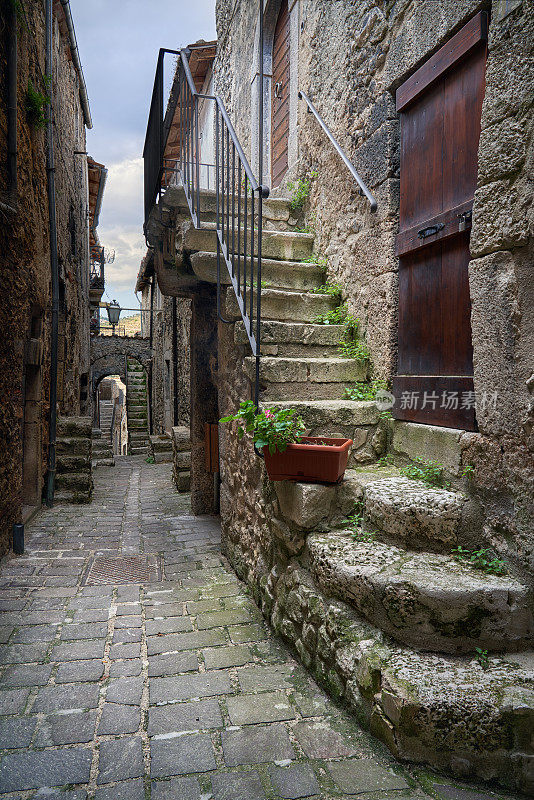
[(171, 688)]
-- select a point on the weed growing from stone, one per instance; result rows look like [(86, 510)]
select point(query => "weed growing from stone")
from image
[(468, 471), (35, 103), (300, 191), (482, 657), (321, 261), (430, 472), (364, 390), (350, 345), (332, 289), (483, 559), (150, 460)]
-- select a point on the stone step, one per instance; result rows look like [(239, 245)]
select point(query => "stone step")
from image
[(289, 378), (275, 209), (283, 274), (74, 481), (137, 450), (67, 463), (137, 424), (285, 306), (161, 444), (183, 480), (74, 427), (96, 433), (295, 339), (182, 460), (279, 245), (181, 438), (103, 462), (73, 445), (72, 497), (425, 600), (421, 705)]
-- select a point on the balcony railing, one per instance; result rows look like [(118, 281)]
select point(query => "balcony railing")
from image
[(97, 280)]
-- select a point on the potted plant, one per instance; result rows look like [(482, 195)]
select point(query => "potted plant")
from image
[(289, 455)]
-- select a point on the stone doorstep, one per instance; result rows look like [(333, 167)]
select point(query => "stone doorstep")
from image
[(277, 305), (274, 208), (425, 707), (429, 601), (300, 275)]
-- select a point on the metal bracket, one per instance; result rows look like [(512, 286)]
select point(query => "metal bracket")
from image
[(430, 231)]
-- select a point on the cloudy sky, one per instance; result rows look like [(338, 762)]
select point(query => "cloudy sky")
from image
[(119, 42)]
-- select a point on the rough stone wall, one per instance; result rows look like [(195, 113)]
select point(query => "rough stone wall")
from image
[(25, 263), (502, 287)]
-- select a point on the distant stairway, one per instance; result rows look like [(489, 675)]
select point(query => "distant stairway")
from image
[(137, 410), (102, 451)]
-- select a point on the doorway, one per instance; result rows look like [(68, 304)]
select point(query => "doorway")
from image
[(280, 97)]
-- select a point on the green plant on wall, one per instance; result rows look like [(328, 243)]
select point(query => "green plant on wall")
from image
[(35, 103), (300, 191), (483, 559), (365, 390)]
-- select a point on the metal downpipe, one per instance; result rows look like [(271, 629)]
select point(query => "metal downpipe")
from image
[(54, 269), (12, 106)]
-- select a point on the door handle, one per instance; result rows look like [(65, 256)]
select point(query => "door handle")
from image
[(430, 231), (277, 89)]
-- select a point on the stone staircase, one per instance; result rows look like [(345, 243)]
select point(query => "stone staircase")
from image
[(428, 651), (137, 410), (102, 451), (161, 448), (106, 415), (74, 483)]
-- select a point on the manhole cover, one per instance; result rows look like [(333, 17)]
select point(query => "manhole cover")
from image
[(123, 569)]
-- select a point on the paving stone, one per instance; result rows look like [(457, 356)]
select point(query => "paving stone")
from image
[(125, 790), (23, 653), (79, 671), (128, 622), (12, 701), (172, 663), (118, 719), (91, 615), (319, 740), (78, 651), (294, 782), (258, 678), (125, 669), (216, 619), (50, 794), (127, 635), (90, 630), (181, 755), (40, 618), (256, 745), (15, 733), (128, 608), (248, 709), (184, 717), (125, 651), (170, 625), (164, 610), (185, 687), (66, 729), (184, 641), (61, 698), (176, 789), (237, 786), (240, 634), (201, 606), (314, 703), (26, 675), (5, 633), (364, 775), (221, 657), (120, 759), (128, 594), (125, 690), (35, 633), (33, 769), (450, 792)]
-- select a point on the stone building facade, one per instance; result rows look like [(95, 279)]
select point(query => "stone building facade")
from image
[(394, 642), (25, 242)]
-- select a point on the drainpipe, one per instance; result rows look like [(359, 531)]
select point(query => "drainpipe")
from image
[(12, 104), (77, 63), (54, 269), (175, 357), (151, 365)]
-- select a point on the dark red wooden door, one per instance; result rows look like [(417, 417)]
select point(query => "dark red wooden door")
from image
[(440, 109), (280, 97)]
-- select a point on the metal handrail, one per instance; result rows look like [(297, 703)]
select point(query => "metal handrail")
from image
[(350, 166)]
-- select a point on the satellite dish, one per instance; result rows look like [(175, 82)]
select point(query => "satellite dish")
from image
[(109, 256)]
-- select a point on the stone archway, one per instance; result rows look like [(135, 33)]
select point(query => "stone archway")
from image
[(109, 355)]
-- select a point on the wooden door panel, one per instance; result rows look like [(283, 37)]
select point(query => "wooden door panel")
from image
[(440, 127), (280, 97)]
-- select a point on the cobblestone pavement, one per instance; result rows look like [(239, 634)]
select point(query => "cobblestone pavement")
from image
[(163, 690)]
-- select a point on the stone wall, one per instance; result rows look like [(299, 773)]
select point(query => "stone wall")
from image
[(25, 312)]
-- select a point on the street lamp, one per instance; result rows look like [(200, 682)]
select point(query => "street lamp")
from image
[(114, 312)]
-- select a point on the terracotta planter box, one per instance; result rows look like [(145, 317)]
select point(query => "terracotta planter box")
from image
[(309, 461)]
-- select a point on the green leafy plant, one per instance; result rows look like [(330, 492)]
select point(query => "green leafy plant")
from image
[(150, 460), (304, 229), (332, 289), (483, 559), (482, 657), (35, 103), (468, 471), (364, 390), (336, 316), (354, 522), (427, 471), (271, 428), (300, 191)]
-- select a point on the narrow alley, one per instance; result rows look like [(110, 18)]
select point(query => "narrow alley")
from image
[(170, 687)]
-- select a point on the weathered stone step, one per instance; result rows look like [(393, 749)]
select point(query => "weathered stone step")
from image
[(139, 451), (74, 481), (72, 497), (285, 306), (71, 463), (181, 438), (103, 462), (294, 376), (424, 600), (294, 339), (275, 209), (283, 274), (280, 245), (74, 427), (73, 445)]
